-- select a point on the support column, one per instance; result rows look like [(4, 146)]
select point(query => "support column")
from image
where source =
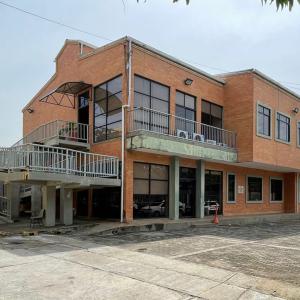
[(66, 206), (36, 199), (200, 188), (174, 189), (49, 204), (13, 195)]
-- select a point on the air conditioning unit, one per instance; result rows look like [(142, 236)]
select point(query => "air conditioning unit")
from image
[(212, 142), (182, 134), (198, 137)]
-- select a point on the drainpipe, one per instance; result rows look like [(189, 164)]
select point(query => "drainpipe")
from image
[(128, 67)]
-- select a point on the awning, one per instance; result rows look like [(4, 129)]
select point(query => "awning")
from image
[(65, 94)]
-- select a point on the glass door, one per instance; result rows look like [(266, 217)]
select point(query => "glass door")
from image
[(213, 192)]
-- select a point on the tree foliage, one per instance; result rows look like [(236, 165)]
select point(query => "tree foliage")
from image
[(279, 3)]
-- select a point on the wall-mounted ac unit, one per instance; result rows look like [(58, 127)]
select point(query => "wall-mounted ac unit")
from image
[(212, 142), (182, 134), (198, 137)]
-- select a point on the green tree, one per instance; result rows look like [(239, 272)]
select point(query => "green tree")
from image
[(279, 3)]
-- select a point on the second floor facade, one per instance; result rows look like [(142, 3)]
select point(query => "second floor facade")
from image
[(243, 117)]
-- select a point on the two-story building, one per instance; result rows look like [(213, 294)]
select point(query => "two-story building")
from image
[(187, 141)]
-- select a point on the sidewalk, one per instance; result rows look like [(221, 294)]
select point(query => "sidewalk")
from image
[(102, 227)]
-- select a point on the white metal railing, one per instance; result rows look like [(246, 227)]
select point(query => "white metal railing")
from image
[(162, 123), (4, 207), (48, 159), (64, 130)]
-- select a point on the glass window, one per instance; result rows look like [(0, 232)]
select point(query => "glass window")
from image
[(283, 128), (263, 120), (254, 189), (231, 188), (107, 110), (150, 190), (185, 108), (276, 189), (150, 94), (211, 114), (298, 135)]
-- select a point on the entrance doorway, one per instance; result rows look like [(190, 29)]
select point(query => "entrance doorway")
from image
[(213, 192), (187, 192), (82, 203), (83, 111)]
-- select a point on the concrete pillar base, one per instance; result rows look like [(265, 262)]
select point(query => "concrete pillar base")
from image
[(174, 189), (66, 206), (49, 204)]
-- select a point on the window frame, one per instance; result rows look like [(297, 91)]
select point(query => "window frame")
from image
[(247, 191), (282, 180), (235, 188), (212, 103), (276, 128), (298, 133), (270, 137), (107, 96)]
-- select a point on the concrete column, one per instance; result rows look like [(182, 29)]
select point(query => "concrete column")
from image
[(36, 199), (174, 189), (49, 204), (200, 188), (12, 191), (66, 206)]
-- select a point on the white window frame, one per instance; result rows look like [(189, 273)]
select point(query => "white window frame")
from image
[(276, 128), (235, 188), (270, 137), (277, 178), (298, 139), (262, 189)]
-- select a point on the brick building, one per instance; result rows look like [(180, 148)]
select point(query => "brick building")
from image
[(190, 141)]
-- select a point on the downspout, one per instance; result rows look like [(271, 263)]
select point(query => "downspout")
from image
[(128, 68)]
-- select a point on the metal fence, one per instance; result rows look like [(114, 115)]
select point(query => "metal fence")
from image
[(162, 123), (63, 130), (4, 207), (48, 159)]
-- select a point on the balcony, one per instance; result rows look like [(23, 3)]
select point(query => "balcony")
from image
[(59, 133), (162, 133), (32, 164)]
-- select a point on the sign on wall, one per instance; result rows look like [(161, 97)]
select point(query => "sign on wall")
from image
[(241, 189)]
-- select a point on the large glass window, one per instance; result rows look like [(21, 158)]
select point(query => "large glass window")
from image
[(212, 114), (108, 110), (283, 128), (151, 190), (255, 189), (155, 96), (231, 187), (276, 189), (263, 120), (185, 110)]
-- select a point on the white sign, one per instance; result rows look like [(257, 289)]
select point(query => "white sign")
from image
[(241, 189)]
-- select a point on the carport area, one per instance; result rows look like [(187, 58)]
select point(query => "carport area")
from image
[(205, 262)]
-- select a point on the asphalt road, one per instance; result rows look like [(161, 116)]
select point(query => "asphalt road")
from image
[(215, 262)]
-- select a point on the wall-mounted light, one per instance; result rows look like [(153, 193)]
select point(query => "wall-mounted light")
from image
[(30, 110), (188, 81), (296, 110)]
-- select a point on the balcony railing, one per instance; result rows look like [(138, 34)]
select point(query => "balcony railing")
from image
[(166, 124), (63, 130), (48, 159)]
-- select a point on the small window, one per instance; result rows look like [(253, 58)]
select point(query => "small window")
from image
[(231, 187), (283, 124), (263, 121), (276, 189), (255, 185)]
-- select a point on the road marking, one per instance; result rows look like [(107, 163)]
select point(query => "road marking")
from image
[(212, 249)]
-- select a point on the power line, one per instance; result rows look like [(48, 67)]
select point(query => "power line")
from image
[(55, 22)]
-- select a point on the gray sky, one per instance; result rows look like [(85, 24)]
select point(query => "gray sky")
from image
[(214, 35)]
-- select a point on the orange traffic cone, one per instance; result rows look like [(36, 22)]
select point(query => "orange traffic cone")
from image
[(216, 218)]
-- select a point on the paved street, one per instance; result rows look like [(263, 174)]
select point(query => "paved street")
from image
[(223, 262)]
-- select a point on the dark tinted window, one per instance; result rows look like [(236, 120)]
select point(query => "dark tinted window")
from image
[(107, 110), (231, 187), (276, 189), (211, 114), (254, 189), (283, 128)]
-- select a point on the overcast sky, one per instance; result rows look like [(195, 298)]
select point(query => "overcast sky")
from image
[(215, 35)]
